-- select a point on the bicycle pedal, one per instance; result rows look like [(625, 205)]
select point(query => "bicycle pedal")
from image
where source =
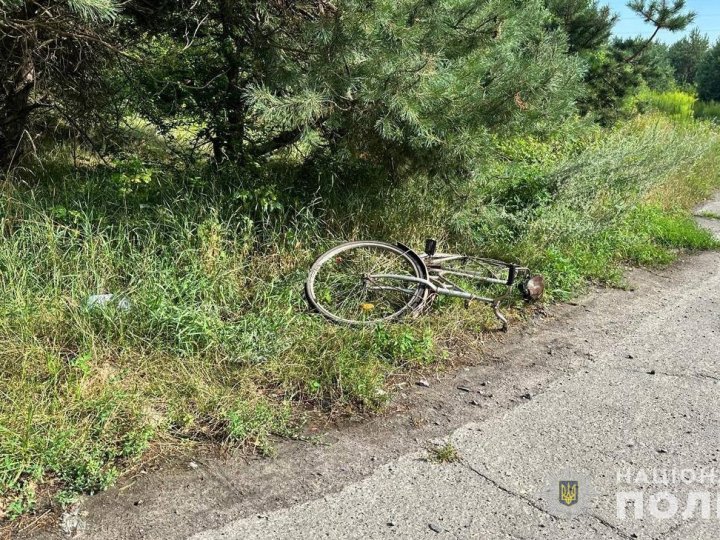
[(430, 247)]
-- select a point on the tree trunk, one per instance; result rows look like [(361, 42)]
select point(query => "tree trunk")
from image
[(634, 57), (231, 130), (15, 104), (234, 128)]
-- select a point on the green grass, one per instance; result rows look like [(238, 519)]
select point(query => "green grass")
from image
[(626, 199), (219, 347), (217, 344), (652, 236), (709, 215)]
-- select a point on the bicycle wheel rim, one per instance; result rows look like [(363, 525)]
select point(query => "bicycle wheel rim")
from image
[(350, 299)]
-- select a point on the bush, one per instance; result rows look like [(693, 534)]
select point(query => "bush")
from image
[(585, 232)]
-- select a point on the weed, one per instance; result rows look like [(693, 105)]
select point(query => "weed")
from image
[(24, 501), (446, 453), (66, 498), (252, 422)]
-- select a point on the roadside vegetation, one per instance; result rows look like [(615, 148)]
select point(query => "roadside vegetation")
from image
[(200, 200)]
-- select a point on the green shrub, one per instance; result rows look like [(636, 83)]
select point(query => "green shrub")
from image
[(675, 104)]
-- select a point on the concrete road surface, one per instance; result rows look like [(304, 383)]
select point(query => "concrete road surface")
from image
[(619, 393)]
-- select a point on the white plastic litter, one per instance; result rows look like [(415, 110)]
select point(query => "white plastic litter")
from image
[(100, 300)]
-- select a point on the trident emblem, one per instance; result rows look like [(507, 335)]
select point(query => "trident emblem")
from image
[(568, 492)]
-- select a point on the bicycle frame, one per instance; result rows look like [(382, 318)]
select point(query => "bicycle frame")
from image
[(438, 283)]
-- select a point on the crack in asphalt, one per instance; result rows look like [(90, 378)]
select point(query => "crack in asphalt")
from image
[(531, 502), (617, 530), (664, 373), (510, 492)]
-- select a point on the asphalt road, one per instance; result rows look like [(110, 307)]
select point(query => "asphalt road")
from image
[(623, 382)]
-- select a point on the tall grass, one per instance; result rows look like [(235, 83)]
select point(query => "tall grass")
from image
[(675, 104), (592, 224), (218, 345), (708, 110)]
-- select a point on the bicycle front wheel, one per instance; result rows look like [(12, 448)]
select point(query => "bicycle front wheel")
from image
[(351, 283)]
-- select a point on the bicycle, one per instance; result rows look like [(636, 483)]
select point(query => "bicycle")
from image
[(368, 282)]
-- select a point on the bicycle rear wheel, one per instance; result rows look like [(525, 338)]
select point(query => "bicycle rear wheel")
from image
[(343, 284)]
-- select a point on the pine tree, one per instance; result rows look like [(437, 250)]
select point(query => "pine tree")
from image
[(708, 75), (686, 54), (652, 67), (587, 24), (663, 15), (618, 68), (414, 83), (45, 52)]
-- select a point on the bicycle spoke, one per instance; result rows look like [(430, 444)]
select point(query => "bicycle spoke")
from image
[(344, 287)]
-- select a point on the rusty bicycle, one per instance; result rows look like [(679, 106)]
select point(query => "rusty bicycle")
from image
[(369, 282)]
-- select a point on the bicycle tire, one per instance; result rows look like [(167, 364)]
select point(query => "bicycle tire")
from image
[(412, 264)]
